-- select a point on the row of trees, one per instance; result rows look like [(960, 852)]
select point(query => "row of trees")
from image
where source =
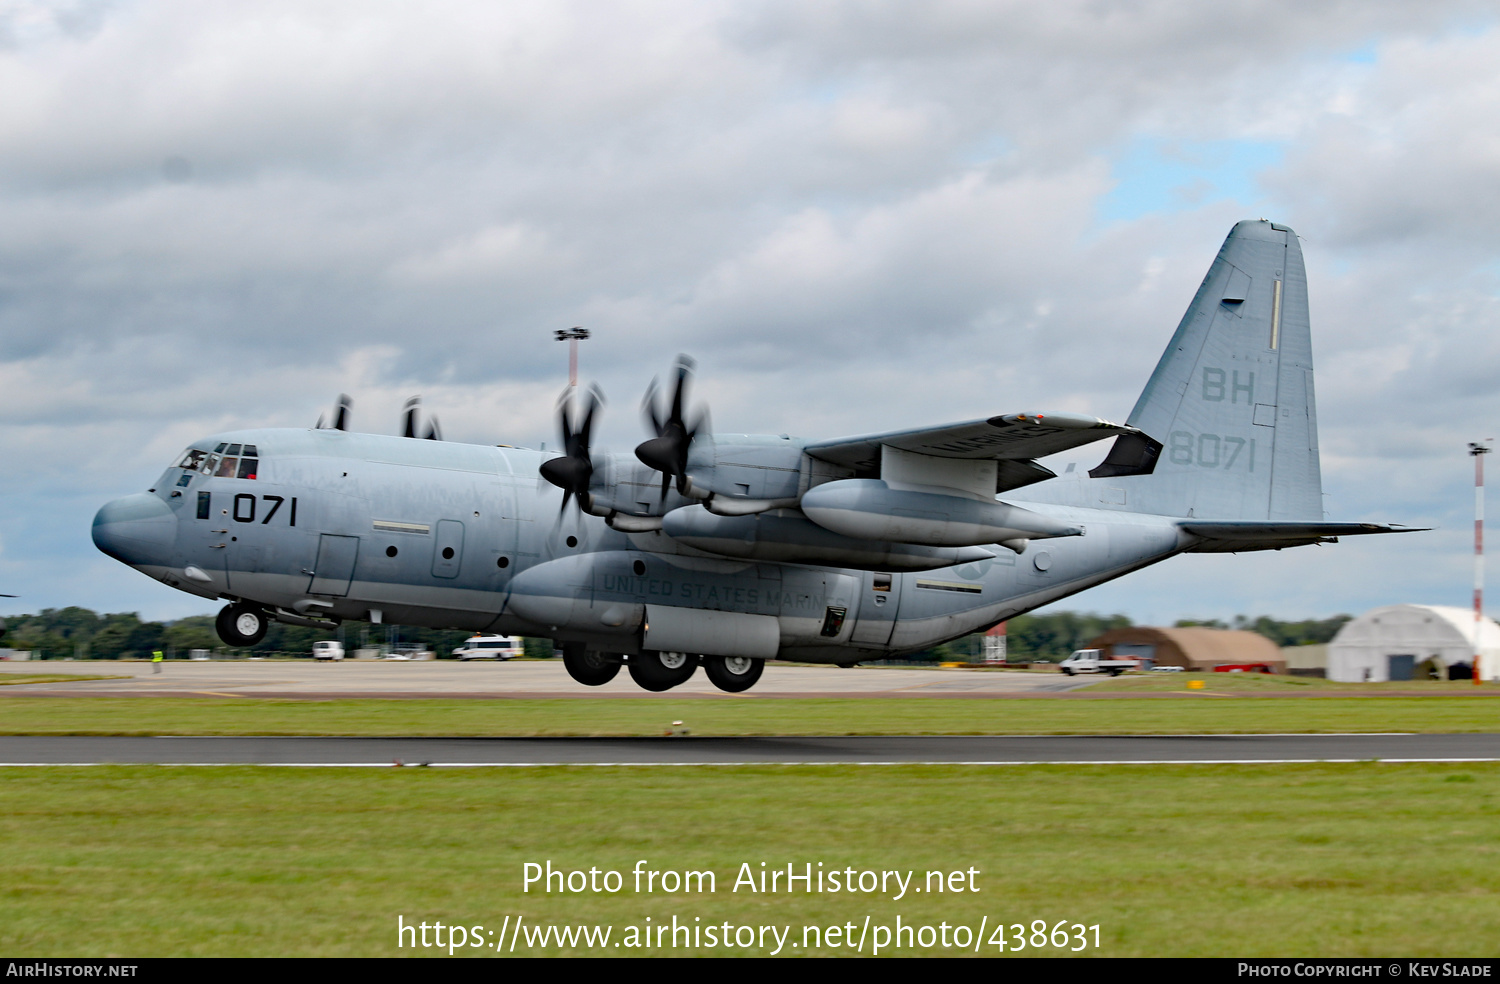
[(1305, 633), (57, 633)]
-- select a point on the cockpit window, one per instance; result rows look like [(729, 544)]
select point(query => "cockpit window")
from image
[(228, 461)]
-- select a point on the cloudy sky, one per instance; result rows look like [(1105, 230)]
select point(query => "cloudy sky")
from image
[(856, 216)]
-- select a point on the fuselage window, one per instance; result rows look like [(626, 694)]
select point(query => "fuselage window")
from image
[(204, 504)]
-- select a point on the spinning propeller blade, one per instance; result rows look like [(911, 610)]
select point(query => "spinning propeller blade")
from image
[(574, 470), (667, 452), (409, 416)]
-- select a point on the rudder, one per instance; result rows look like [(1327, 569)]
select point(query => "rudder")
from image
[(1231, 400)]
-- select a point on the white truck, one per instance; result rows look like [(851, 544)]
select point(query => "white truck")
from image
[(1094, 661)]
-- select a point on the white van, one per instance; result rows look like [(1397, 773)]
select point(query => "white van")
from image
[(1094, 661), (328, 650), (490, 647)]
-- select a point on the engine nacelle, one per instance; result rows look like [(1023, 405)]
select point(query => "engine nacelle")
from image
[(869, 509), (785, 536)]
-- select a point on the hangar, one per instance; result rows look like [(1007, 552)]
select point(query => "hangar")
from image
[(1405, 642), (1192, 648)]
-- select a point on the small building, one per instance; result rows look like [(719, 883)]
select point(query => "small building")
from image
[(1405, 642), (1310, 660), (1194, 648)]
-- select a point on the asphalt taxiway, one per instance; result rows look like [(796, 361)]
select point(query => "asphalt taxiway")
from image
[(532, 679), (684, 751)]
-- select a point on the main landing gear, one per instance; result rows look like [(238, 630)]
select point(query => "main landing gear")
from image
[(658, 671), (588, 667), (242, 625), (735, 674)]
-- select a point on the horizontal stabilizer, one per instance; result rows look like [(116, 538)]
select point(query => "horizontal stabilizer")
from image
[(1247, 535)]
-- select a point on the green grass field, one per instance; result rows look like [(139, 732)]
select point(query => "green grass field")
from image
[(8, 679), (1255, 860), (1200, 713), (1275, 684)]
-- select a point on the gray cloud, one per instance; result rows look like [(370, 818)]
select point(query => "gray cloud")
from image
[(856, 216)]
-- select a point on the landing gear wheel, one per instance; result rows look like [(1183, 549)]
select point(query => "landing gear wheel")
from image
[(657, 671), (589, 667), (242, 625), (735, 674)]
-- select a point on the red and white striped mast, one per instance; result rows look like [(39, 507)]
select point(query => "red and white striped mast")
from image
[(572, 336), (1478, 451)]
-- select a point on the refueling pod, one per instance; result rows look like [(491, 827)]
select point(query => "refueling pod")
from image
[(869, 509), (788, 537)]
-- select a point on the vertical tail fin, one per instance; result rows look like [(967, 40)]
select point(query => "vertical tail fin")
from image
[(1231, 401)]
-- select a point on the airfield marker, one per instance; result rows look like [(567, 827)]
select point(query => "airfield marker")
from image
[(1478, 451)]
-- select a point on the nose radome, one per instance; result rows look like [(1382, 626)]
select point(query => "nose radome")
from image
[(138, 529)]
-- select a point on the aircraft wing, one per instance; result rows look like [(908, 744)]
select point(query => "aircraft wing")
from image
[(1246, 535), (1014, 439)]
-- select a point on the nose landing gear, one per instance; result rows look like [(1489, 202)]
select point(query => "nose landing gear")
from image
[(241, 624)]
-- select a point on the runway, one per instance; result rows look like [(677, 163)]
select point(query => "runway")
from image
[(683, 751), (307, 679)]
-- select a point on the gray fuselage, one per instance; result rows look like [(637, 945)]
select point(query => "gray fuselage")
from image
[(368, 527)]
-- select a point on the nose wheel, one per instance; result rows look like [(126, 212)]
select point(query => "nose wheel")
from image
[(242, 625), (658, 671)]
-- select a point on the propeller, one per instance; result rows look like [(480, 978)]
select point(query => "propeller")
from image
[(340, 414), (409, 415), (667, 452), (574, 469)]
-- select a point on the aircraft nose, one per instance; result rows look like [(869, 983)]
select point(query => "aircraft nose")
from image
[(138, 529)]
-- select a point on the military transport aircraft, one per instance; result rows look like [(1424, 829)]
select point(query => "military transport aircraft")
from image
[(726, 550)]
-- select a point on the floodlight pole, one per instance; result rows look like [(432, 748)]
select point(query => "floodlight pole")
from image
[(1478, 451), (572, 336)]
